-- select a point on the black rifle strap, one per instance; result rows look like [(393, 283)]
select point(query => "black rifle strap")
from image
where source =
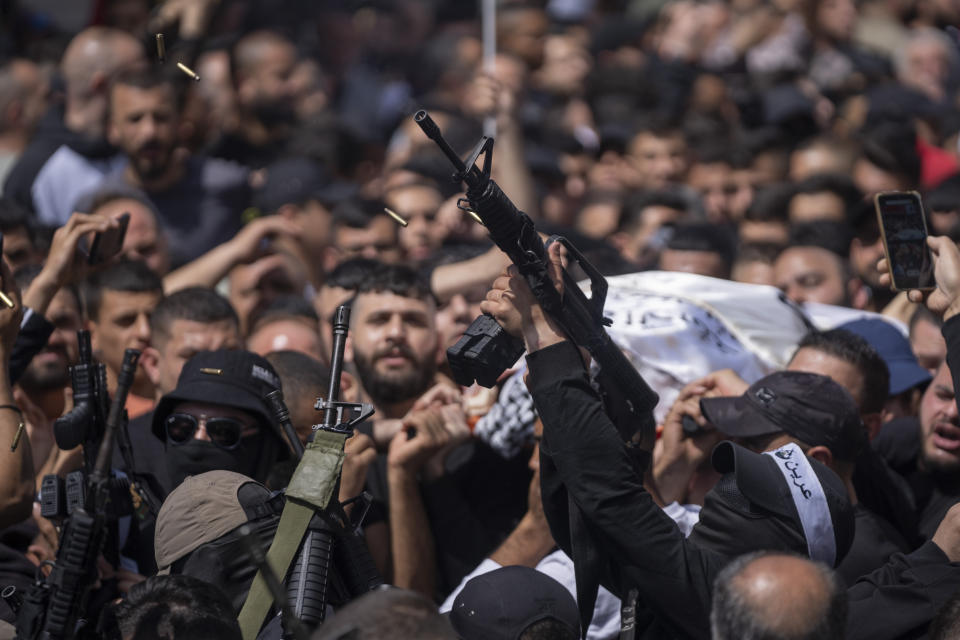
[(586, 562)]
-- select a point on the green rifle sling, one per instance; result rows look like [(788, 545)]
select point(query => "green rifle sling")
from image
[(311, 489)]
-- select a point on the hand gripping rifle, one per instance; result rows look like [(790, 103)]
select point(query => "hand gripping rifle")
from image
[(316, 545), (56, 608), (486, 350)]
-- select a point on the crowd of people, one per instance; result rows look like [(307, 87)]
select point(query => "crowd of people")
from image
[(263, 160)]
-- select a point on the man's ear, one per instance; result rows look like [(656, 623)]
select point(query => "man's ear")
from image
[(858, 293), (821, 454), (150, 363)]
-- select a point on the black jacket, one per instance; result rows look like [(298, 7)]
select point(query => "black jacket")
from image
[(641, 547)]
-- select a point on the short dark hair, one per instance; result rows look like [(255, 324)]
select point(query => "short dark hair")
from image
[(853, 349), (197, 304), (765, 252), (770, 204), (356, 213), (145, 78), (703, 236), (891, 146), (13, 215), (285, 308), (397, 279), (838, 184), (827, 234), (632, 213), (734, 616), (129, 276), (350, 273), (300, 375), (176, 607)]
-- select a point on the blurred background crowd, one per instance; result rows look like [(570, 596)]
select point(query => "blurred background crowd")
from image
[(741, 140)]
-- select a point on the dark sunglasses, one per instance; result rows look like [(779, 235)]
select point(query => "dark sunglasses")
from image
[(223, 432)]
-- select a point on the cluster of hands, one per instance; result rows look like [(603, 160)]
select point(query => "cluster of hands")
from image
[(417, 445)]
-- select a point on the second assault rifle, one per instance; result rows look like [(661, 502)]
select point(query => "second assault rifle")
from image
[(56, 608), (317, 546), (485, 350)]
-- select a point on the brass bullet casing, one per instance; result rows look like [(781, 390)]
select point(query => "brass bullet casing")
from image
[(161, 49), (187, 70), (396, 216)]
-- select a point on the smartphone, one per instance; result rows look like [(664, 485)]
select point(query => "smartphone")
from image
[(904, 231), (108, 243)]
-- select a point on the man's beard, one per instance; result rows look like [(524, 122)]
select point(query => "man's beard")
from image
[(939, 467), (391, 388), (153, 168), (45, 377)]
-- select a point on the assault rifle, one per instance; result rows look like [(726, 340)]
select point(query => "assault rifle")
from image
[(56, 608), (486, 350), (332, 564)]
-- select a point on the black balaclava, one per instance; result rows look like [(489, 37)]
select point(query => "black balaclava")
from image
[(199, 456)]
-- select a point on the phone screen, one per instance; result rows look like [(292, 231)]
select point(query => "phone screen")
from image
[(904, 230)]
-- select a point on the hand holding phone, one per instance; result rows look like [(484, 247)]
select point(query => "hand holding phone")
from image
[(107, 244), (904, 231)]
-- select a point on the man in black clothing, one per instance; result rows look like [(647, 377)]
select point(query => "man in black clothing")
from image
[(585, 462), (926, 450), (198, 199), (820, 416), (218, 417)]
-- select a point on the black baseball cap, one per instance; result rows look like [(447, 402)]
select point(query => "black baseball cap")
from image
[(810, 407), (229, 377), (759, 480), (502, 604)]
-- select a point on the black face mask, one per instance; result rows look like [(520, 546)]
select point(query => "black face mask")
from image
[(731, 525), (199, 456)]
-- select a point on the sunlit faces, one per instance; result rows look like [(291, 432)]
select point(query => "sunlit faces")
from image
[(394, 345)]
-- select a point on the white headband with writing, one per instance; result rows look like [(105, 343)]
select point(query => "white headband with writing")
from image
[(808, 495)]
